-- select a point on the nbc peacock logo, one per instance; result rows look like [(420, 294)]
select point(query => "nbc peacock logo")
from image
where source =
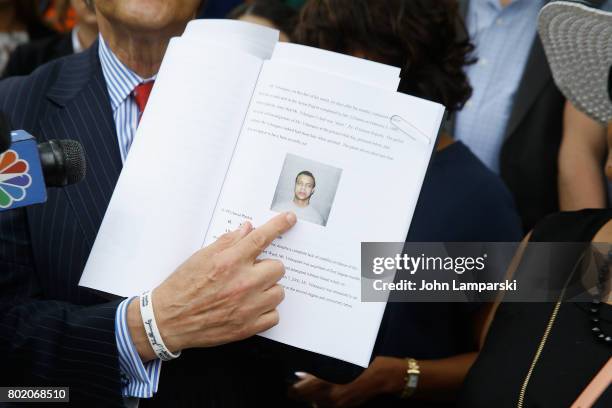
[(14, 178)]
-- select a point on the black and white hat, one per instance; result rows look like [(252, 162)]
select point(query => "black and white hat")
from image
[(578, 43)]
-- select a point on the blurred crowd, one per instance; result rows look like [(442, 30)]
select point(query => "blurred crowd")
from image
[(512, 152)]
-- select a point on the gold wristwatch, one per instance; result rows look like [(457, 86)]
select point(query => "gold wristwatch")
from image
[(412, 378)]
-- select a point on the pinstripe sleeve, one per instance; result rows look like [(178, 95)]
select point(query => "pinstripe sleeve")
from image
[(52, 342), (137, 379)]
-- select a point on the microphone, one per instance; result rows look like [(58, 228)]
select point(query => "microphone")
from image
[(5, 133), (62, 161), (27, 169)]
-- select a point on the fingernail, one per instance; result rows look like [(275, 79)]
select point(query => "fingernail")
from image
[(300, 374), (291, 218)]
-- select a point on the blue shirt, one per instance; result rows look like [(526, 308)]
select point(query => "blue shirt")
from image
[(137, 379), (503, 38)]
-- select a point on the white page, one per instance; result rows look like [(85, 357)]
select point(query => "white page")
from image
[(303, 120), (357, 69), (167, 190), (235, 44), (255, 39)]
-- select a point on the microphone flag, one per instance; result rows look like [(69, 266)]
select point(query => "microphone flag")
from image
[(21, 177)]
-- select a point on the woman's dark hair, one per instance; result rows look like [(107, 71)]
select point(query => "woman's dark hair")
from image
[(280, 14), (29, 13), (426, 38)]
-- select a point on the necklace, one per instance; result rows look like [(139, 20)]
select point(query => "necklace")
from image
[(595, 321), (595, 308), (549, 326)]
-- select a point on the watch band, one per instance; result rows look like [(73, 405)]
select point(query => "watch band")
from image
[(413, 371)]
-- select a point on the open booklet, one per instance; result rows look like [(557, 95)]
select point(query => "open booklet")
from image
[(233, 119)]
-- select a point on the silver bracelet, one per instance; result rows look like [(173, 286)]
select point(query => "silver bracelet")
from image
[(150, 325)]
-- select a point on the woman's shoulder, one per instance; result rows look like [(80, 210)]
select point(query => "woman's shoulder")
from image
[(462, 200), (462, 168)]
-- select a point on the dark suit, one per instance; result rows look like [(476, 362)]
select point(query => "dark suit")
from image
[(528, 157), (51, 331), (27, 57)]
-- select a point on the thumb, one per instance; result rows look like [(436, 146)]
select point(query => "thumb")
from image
[(304, 377)]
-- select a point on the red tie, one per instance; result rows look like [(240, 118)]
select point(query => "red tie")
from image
[(141, 96)]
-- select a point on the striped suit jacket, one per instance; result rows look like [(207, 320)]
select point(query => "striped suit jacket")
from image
[(53, 332)]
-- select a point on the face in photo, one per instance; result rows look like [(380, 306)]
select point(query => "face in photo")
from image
[(307, 188)]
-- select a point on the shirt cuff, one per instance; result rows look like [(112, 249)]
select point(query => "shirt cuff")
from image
[(137, 379)]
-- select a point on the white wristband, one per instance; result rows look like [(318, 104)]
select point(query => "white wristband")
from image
[(150, 325)]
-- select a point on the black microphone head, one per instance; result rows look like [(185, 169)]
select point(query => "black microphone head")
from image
[(5, 133), (63, 162), (75, 164)]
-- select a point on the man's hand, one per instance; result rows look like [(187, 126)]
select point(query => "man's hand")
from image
[(220, 295)]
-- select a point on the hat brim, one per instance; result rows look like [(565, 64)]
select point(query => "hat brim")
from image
[(577, 41)]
